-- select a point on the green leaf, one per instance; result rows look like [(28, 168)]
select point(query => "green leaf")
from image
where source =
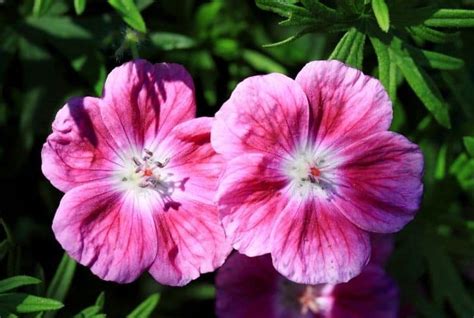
[(167, 41), (261, 62), (428, 34), (129, 13), (469, 144), (381, 14), (79, 6), (423, 86), (93, 311), (436, 60), (62, 279), (40, 7), (146, 307), (350, 48), (24, 303), (320, 10), (451, 18), (387, 68), (17, 281)]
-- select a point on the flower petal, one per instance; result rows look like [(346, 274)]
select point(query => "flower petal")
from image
[(251, 195), (113, 233), (80, 148), (313, 244), (264, 114), (191, 241), (247, 287), (190, 235), (346, 104), (143, 102), (371, 294), (380, 182)]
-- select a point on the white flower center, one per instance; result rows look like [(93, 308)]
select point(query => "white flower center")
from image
[(311, 173), (148, 173)]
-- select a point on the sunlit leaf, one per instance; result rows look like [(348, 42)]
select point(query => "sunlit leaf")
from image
[(24, 303), (381, 14), (451, 18), (129, 13), (79, 6)]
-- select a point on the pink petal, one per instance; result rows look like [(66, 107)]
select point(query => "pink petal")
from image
[(247, 287), (80, 149), (313, 244), (251, 195), (190, 235), (347, 105), (113, 233), (264, 114), (143, 101), (371, 294), (191, 241), (192, 158), (380, 186)]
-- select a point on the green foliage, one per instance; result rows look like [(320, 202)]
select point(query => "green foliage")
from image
[(129, 13), (146, 308), (381, 14), (80, 6)]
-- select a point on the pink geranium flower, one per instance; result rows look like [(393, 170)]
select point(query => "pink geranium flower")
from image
[(250, 287), (140, 176), (311, 170)]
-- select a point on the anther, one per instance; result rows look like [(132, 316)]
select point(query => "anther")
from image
[(162, 164), (148, 152), (136, 161)]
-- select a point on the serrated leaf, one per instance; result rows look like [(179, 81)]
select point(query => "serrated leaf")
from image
[(423, 86), (171, 41), (62, 279), (24, 303), (428, 34), (145, 309), (381, 13), (79, 6), (261, 62), (350, 48), (469, 144), (451, 18), (17, 281), (129, 13)]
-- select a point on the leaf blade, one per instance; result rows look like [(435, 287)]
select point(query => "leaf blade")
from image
[(381, 13)]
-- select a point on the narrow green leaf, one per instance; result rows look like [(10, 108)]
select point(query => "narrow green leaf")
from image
[(129, 13), (424, 87), (62, 279), (350, 48), (428, 34), (17, 281), (387, 68), (145, 309), (451, 18), (320, 10), (24, 303), (381, 14), (261, 62), (469, 144), (292, 38), (436, 60), (79, 6), (40, 7)]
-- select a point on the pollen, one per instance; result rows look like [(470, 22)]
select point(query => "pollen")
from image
[(147, 172)]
